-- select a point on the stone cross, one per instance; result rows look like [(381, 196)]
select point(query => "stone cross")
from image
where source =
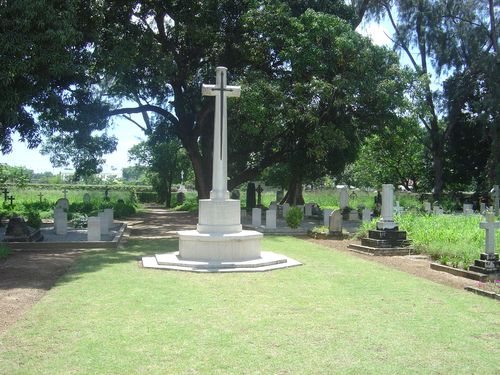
[(496, 199), (490, 225), (40, 195), (106, 193), (64, 192), (182, 176), (259, 195), (221, 91), (11, 198), (5, 193)]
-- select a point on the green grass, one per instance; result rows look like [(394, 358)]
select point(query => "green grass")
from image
[(455, 240), (335, 314)]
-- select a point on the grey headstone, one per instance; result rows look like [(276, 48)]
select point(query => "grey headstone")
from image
[(336, 221), (271, 219), (93, 229), (256, 217), (62, 203)]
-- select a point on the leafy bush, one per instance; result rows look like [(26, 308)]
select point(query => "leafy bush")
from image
[(320, 230), (33, 219), (190, 204), (80, 220), (147, 197), (294, 217), (4, 251), (123, 209)]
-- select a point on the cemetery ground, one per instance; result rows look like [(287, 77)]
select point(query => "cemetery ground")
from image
[(338, 313)]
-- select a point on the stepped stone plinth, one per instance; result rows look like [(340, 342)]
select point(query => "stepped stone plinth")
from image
[(219, 244), (487, 264)]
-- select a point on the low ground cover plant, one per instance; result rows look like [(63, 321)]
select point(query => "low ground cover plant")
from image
[(293, 217), (453, 240)]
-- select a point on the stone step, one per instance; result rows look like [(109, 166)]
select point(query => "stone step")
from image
[(483, 270), (484, 264), (170, 259), (486, 256), (388, 251), (387, 234), (384, 243)]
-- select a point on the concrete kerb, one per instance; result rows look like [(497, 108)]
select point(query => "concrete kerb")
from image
[(54, 246)]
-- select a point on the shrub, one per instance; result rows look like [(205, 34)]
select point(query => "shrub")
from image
[(80, 220), (4, 251), (33, 219), (294, 217), (123, 209), (190, 204)]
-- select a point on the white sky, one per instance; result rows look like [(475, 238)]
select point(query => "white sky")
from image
[(129, 134)]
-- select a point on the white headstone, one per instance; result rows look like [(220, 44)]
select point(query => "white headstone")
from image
[(326, 217), (103, 217), (467, 209), (286, 208), (273, 206), (60, 221), (256, 217), (110, 216), (271, 219), (490, 225), (336, 221), (62, 203), (366, 214), (308, 209), (398, 210), (482, 208), (93, 229), (427, 207), (344, 197), (437, 210), (387, 222)]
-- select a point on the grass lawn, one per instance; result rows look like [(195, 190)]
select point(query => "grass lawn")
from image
[(335, 314)]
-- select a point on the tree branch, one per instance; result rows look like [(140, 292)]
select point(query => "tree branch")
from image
[(144, 108), (145, 130)]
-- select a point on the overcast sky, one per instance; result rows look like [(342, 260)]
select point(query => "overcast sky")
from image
[(129, 135)]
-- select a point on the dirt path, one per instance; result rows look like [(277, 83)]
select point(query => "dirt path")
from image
[(25, 276)]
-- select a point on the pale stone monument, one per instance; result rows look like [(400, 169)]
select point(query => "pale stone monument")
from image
[(104, 222), (62, 203), (387, 239), (488, 262), (219, 244), (387, 222), (398, 210), (496, 199), (109, 213), (427, 207), (344, 198), (93, 229), (482, 208), (308, 209), (60, 221), (366, 214), (271, 219), (273, 206), (437, 210), (467, 209), (256, 217), (335, 225), (326, 217)]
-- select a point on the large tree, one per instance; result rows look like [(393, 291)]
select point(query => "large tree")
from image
[(151, 57)]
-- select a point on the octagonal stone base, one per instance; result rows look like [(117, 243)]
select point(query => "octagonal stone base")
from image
[(268, 261), (219, 247)]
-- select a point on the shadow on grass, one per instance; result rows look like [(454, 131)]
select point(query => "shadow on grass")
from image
[(97, 260)]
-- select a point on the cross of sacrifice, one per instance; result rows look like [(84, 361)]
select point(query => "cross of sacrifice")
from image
[(5, 193), (64, 192), (221, 91), (490, 225)]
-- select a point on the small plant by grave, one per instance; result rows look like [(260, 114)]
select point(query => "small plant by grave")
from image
[(33, 219), (80, 220), (294, 217), (4, 251)]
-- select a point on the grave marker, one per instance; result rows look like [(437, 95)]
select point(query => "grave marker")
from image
[(488, 262), (259, 191), (387, 222), (335, 226), (62, 203), (366, 214), (40, 195), (60, 221), (271, 219), (250, 196), (326, 217), (256, 217), (496, 199), (5, 193), (93, 229), (427, 207), (64, 192), (344, 198), (11, 199), (467, 209)]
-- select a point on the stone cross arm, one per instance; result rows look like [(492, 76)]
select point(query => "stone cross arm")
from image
[(490, 225), (212, 90)]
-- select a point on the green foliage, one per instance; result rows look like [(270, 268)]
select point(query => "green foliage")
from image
[(190, 204), (294, 217), (5, 251), (79, 220), (455, 240), (33, 219), (18, 176), (320, 230), (123, 209)]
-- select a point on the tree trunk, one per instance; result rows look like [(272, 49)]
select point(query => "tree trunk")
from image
[(438, 167), (294, 194), (202, 178)]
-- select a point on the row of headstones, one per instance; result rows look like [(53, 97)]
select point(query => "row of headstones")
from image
[(331, 218)]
